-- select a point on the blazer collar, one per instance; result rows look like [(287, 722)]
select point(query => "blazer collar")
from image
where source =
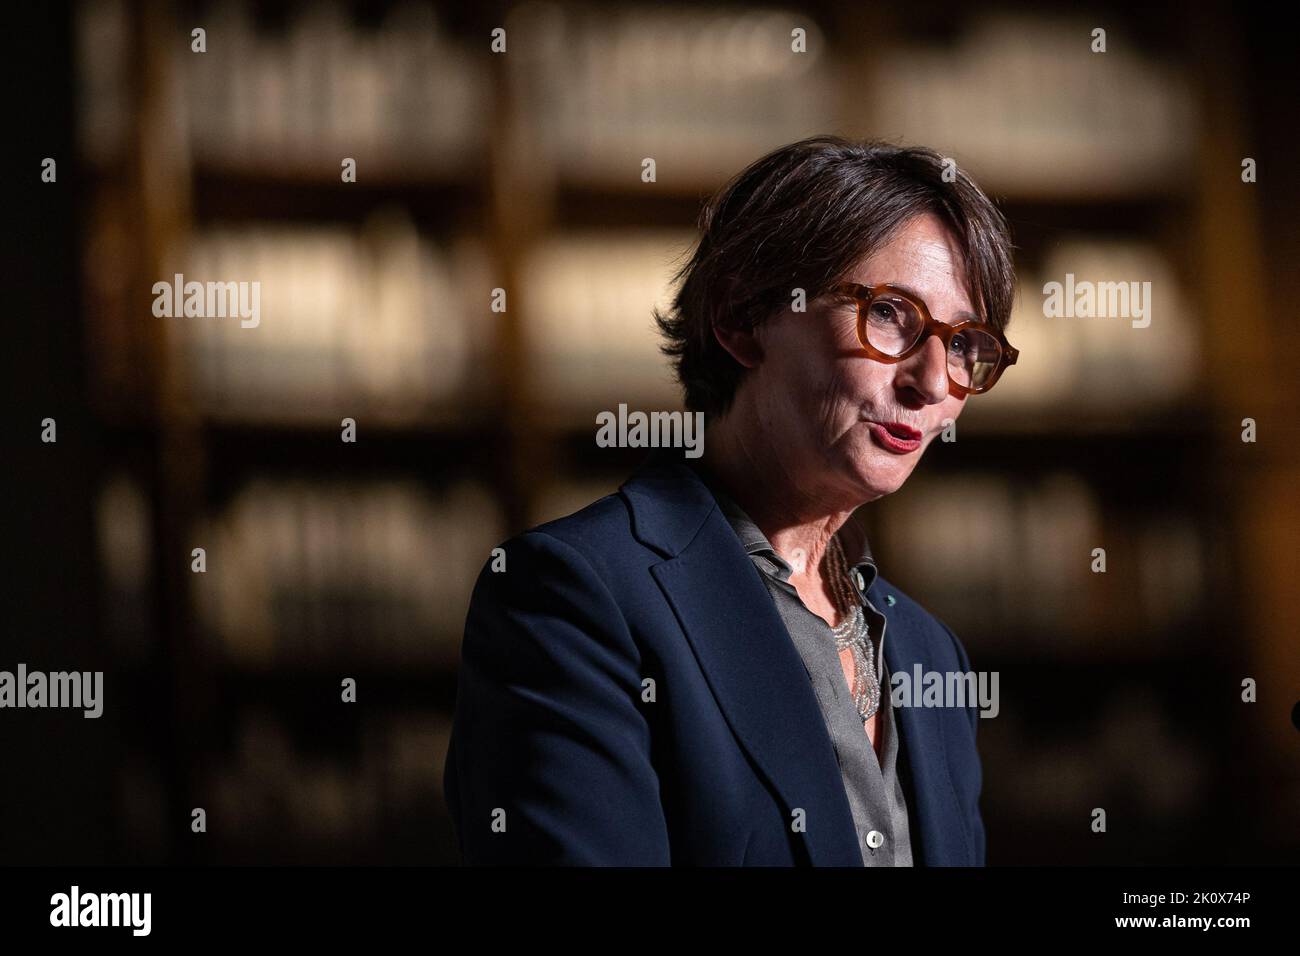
[(741, 643), (758, 676), (669, 502), (752, 539)]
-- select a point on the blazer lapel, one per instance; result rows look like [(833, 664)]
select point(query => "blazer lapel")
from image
[(938, 824), (741, 644)]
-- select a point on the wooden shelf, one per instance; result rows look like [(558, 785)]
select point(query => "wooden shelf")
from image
[(436, 204), (580, 205)]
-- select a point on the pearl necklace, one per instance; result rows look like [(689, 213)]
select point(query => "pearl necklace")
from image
[(851, 632)]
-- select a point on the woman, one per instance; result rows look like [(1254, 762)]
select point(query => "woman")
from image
[(696, 670)]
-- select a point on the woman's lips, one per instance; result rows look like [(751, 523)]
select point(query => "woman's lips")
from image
[(896, 437)]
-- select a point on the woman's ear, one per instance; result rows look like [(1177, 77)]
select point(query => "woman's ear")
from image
[(742, 344)]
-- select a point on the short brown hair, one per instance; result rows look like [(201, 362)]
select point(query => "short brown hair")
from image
[(802, 217)]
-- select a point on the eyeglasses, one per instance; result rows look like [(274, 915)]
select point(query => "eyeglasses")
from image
[(893, 324)]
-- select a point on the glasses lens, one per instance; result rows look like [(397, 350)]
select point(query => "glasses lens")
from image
[(973, 357), (891, 323)]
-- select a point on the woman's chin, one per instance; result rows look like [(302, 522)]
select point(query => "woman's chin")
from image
[(884, 474)]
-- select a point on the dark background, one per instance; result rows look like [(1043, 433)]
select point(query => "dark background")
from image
[(329, 560)]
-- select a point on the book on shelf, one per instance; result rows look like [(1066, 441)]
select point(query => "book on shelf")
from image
[(272, 789), (1024, 102), (1134, 744), (336, 573), (404, 98), (1009, 564), (377, 323), (702, 91), (123, 521), (1103, 325), (589, 324)]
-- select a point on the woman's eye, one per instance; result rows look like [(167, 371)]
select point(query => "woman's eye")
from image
[(884, 312)]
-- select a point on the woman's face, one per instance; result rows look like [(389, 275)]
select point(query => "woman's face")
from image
[(824, 402)]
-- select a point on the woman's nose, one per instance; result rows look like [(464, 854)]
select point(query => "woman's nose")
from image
[(925, 371)]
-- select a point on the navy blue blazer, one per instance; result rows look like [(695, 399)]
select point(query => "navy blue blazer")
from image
[(562, 752)]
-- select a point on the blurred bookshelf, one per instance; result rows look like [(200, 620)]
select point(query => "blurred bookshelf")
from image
[(478, 172)]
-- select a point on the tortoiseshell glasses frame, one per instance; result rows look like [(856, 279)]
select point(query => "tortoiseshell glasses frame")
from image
[(993, 353)]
